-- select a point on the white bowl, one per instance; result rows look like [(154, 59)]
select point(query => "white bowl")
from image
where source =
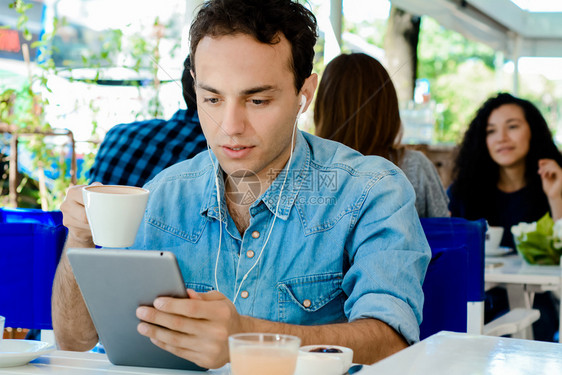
[(315, 363), (20, 352)]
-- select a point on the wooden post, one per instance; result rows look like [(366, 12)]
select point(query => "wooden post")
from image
[(42, 188), (400, 45), (73, 166), (13, 173)]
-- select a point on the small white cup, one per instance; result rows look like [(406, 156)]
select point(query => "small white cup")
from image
[(2, 321), (493, 238), (315, 363), (114, 213)]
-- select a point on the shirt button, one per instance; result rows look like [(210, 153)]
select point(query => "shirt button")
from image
[(306, 303), (244, 294), (255, 234), (250, 254)]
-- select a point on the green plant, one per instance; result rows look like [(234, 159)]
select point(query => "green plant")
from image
[(143, 50), (539, 242), (461, 75), (24, 107)]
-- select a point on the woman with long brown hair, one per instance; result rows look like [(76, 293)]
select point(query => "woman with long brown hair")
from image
[(356, 105)]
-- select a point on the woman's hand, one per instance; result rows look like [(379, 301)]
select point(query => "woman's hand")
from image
[(551, 177)]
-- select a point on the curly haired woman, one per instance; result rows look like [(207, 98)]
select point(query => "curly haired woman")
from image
[(508, 171), (508, 167)]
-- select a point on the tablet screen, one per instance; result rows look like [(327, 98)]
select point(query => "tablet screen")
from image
[(114, 282)]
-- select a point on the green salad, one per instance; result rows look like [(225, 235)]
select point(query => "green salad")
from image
[(539, 242)]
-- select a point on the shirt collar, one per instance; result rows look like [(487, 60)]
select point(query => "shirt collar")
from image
[(210, 206), (285, 186)]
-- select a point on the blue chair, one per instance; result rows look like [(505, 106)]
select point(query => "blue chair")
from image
[(31, 243), (454, 283)]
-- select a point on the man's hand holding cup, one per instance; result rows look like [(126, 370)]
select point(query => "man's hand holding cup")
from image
[(104, 215), (74, 217)]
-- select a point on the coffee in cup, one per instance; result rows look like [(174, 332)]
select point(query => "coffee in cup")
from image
[(114, 213)]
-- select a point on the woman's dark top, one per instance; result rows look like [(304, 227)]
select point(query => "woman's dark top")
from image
[(506, 210)]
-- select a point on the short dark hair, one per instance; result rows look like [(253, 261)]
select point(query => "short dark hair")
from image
[(263, 20), (187, 86)]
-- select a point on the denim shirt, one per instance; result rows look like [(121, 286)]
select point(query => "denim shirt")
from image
[(346, 244)]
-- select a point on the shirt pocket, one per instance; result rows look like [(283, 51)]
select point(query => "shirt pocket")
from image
[(177, 224), (199, 287), (312, 300)]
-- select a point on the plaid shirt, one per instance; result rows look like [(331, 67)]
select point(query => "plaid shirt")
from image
[(132, 154)]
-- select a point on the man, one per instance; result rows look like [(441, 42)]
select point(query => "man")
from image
[(275, 230), (132, 154)]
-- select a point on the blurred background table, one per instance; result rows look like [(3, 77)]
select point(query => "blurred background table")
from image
[(522, 280)]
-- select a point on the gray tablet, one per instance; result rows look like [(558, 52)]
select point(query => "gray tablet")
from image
[(114, 283)]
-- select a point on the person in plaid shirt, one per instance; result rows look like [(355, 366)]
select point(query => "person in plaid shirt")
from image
[(131, 154)]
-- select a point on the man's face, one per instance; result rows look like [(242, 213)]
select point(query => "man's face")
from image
[(247, 102)]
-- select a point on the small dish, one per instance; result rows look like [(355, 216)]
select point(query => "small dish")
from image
[(330, 360), (20, 352), (498, 251)]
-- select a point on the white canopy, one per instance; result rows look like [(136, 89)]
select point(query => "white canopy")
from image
[(498, 23)]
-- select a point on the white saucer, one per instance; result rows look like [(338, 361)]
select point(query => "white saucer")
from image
[(498, 251), (20, 352)]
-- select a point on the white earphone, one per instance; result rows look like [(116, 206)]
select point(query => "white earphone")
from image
[(301, 109), (237, 290)]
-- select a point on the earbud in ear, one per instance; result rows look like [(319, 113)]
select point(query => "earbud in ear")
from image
[(301, 108)]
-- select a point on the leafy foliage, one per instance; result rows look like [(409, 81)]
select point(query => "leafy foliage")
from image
[(460, 73), (25, 107), (539, 243)]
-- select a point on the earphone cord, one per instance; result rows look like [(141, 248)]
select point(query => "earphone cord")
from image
[(237, 291), (220, 216), (274, 217)]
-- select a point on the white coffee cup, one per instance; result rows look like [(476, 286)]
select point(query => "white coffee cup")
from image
[(114, 213), (493, 238)]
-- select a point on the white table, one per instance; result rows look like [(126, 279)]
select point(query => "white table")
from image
[(449, 353), (513, 269), (523, 280), (443, 353), (83, 363)]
